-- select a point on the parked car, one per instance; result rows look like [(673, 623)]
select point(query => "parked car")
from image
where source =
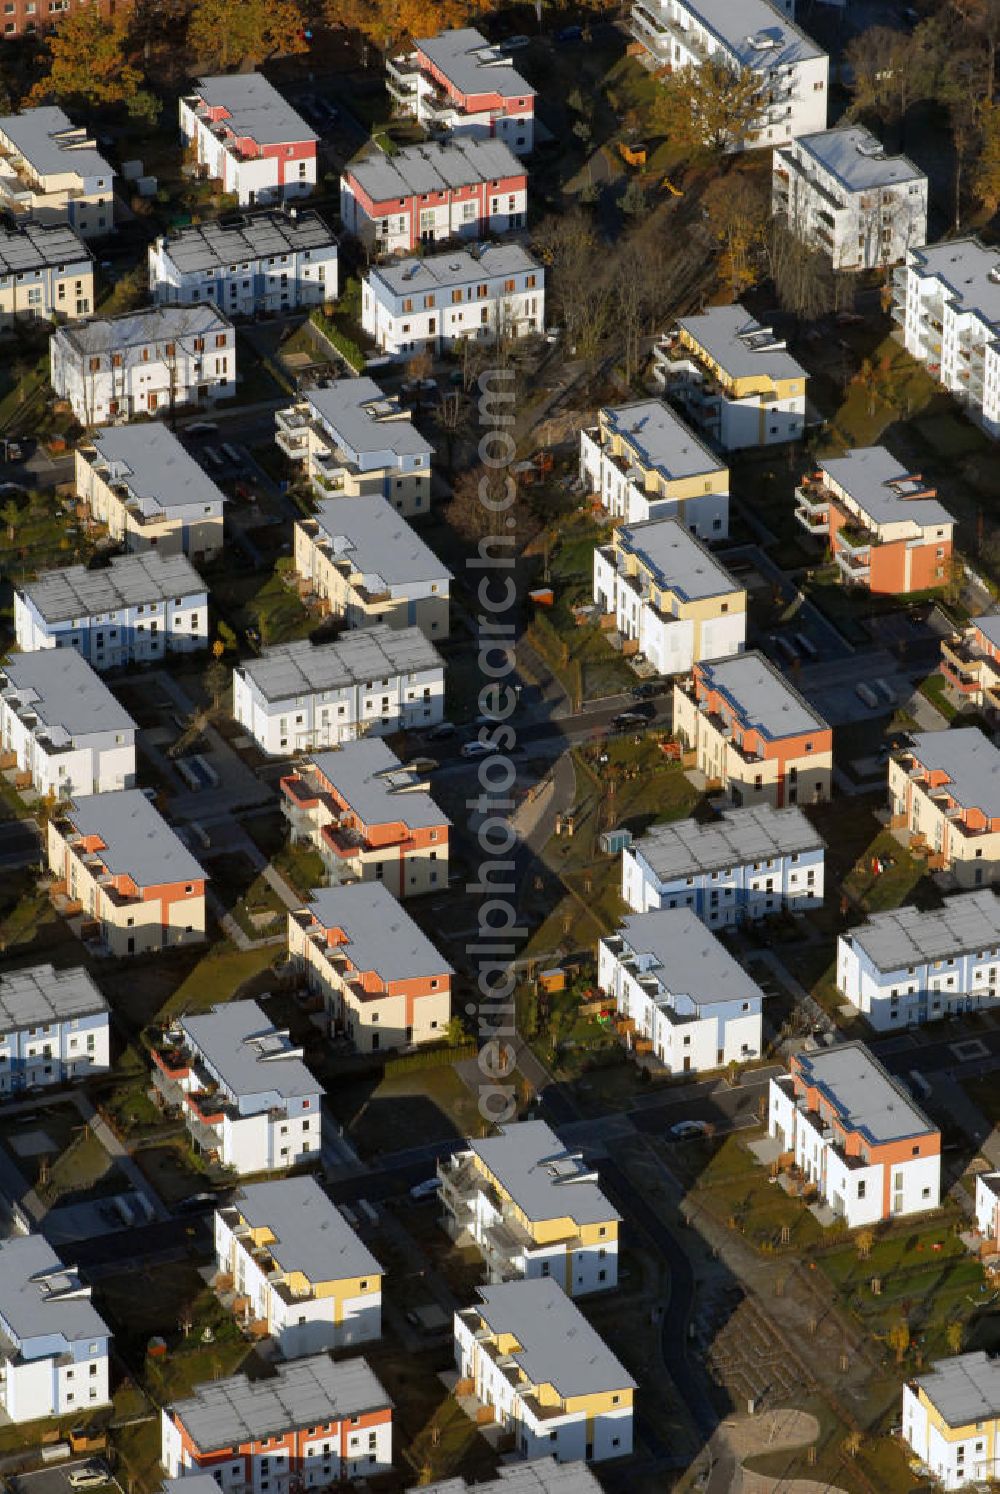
[(687, 1130), (476, 748), (628, 721), (514, 43), (441, 731), (426, 1189), (93, 1476), (646, 690)]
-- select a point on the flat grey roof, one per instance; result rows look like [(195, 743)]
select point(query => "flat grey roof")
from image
[(250, 1054), (40, 1296), (32, 246), (685, 848), (161, 476), (69, 698), (380, 934), (372, 780), (209, 246), (436, 166), (901, 937), (544, 1476), (760, 696), (677, 559), (364, 654), (377, 542), (76, 591), (688, 960), (365, 420), (989, 626), (311, 1234), (458, 267), (150, 324), (885, 491), (51, 144), (857, 158), (660, 439), (967, 268), (472, 65), (193, 1483), (741, 345), (737, 23), (138, 842), (254, 108), (558, 1345), (867, 1098), (964, 1389), (544, 1179), (42, 994), (971, 762)]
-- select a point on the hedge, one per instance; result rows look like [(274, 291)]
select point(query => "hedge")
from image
[(344, 345)]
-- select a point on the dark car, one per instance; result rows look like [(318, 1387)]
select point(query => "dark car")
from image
[(570, 34), (646, 690), (628, 721), (644, 708)]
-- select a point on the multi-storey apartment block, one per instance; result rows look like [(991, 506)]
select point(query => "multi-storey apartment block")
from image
[(45, 273), (532, 1209), (54, 1028), (143, 362), (753, 734), (672, 603), (54, 1349), (434, 304), (240, 1083), (299, 697), (458, 83), (643, 462), (883, 524), (426, 194), (543, 1476), (371, 819), (747, 864), (51, 172), (26, 17), (242, 133), (383, 983), (856, 1135), (951, 1420), (353, 439), (61, 724), (944, 788), (265, 265), (298, 1272), (134, 880), (970, 663)]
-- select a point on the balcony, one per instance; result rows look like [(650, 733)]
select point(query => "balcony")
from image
[(661, 35), (854, 568)]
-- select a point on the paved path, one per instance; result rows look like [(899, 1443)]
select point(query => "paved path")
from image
[(114, 1148), (739, 1438)]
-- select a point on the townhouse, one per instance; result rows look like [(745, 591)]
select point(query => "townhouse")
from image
[(54, 1343), (543, 1476), (60, 724), (370, 818), (138, 608), (459, 84), (970, 663), (261, 266), (150, 492), (311, 1424), (426, 194), (145, 362), (433, 304), (951, 1419), (987, 1210), (46, 272), (239, 131), (746, 864), (118, 863), (527, 1353), (671, 602), (883, 524), (532, 1209), (352, 439), (54, 1028), (383, 983), (734, 379), (52, 172), (839, 192), (297, 1270), (239, 1082), (299, 697), (856, 1135), (753, 734), (944, 788), (642, 462), (679, 993)]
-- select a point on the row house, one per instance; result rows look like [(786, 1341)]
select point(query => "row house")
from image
[(370, 818), (61, 727), (856, 1135), (301, 697), (459, 84), (244, 135), (670, 601), (383, 983), (295, 1268), (52, 172), (970, 663), (54, 1028), (260, 266), (987, 1211), (46, 273), (951, 1420), (118, 862), (944, 789), (532, 1209), (753, 734), (543, 1476), (882, 523)]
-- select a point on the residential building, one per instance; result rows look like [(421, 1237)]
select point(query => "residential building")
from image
[(951, 1419), (150, 492), (672, 603), (457, 83), (426, 194), (733, 378), (643, 462), (383, 983), (883, 524), (26, 17), (145, 362), (262, 266), (52, 172), (60, 724), (753, 734), (856, 1135), (54, 1028), (242, 133), (532, 1209), (839, 192), (944, 788), (987, 1210), (433, 304), (312, 1424), (247, 1098), (746, 864), (352, 439), (300, 697), (136, 609), (970, 663), (528, 1354), (371, 819), (118, 862), (298, 1271), (543, 1476), (46, 272), (54, 1351)]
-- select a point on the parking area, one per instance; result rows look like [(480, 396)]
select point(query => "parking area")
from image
[(56, 1479)]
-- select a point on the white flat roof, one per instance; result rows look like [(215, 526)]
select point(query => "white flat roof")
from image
[(857, 158), (68, 698), (660, 439), (760, 697), (970, 762), (687, 958), (249, 1053), (968, 269), (867, 1099), (885, 491), (741, 345), (676, 559), (903, 937)]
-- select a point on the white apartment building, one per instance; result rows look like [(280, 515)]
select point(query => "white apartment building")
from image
[(61, 724), (680, 991), (46, 272), (138, 608), (543, 1476), (263, 266), (458, 84), (54, 1028), (52, 172), (144, 362), (243, 134), (747, 864), (301, 697), (434, 304), (951, 1420)]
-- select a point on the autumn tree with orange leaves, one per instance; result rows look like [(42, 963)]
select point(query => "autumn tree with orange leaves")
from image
[(222, 35), (92, 62)]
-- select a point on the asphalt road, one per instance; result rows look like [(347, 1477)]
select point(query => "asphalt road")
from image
[(20, 843)]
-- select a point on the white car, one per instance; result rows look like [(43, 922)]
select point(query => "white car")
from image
[(91, 1477), (479, 749)]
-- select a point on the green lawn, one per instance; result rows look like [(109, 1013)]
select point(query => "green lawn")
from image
[(933, 689), (84, 1169), (734, 1188), (902, 388), (173, 1169), (301, 865), (894, 885), (220, 974)]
